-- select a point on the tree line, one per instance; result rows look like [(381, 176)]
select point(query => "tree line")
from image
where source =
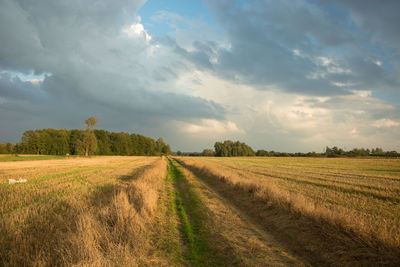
[(102, 142), (359, 152), (237, 149), (74, 142), (85, 142)]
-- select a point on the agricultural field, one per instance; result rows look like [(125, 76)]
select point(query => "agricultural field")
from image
[(184, 211), (328, 211), (6, 157), (94, 211)]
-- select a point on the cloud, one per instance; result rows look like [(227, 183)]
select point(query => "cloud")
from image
[(210, 126), (100, 60), (283, 121), (137, 29), (385, 123), (283, 75), (12, 87), (378, 20), (298, 46)]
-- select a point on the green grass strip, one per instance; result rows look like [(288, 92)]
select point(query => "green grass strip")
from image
[(173, 244), (192, 215)]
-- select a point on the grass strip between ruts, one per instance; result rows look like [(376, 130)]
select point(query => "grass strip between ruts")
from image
[(192, 216)]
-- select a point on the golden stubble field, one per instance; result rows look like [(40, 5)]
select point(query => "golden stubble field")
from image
[(359, 198), (81, 211), (183, 211)]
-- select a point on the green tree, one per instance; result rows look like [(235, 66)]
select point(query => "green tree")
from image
[(85, 142), (166, 150), (6, 148), (91, 122), (103, 142), (232, 149), (88, 144), (208, 153), (159, 145)]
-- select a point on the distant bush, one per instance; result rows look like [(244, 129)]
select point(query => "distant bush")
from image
[(232, 149), (6, 148)]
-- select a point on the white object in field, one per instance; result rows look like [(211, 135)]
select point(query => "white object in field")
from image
[(13, 181)]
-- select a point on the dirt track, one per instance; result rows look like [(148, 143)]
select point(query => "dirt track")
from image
[(234, 238), (261, 235)]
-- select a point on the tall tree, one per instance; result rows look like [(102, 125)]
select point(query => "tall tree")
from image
[(91, 122), (89, 141)]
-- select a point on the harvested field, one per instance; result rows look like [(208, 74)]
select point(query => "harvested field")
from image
[(230, 237), (6, 157), (96, 211), (337, 211), (153, 211)]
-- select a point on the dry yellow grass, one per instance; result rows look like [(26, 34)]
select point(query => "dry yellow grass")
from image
[(357, 196), (97, 211), (237, 241), (118, 211)]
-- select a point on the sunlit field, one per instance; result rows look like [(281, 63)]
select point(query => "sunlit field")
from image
[(94, 211), (356, 196), (199, 133), (199, 211), (6, 157)]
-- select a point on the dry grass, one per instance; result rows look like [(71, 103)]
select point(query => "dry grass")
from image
[(358, 197), (98, 211), (235, 239), (117, 211)]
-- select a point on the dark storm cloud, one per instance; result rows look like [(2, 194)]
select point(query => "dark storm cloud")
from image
[(93, 67), (378, 19), (284, 44), (14, 88), (163, 105), (94, 58)]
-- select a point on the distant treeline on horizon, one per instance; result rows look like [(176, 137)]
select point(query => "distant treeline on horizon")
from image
[(237, 149), (74, 142)]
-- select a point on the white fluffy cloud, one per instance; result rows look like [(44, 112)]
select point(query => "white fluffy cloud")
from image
[(385, 123), (293, 122), (210, 126)]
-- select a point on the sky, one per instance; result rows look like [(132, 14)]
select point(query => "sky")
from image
[(287, 75)]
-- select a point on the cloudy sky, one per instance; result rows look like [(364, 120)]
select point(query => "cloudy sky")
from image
[(287, 75)]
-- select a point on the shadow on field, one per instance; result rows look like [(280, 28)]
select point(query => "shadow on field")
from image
[(316, 242), (135, 174)]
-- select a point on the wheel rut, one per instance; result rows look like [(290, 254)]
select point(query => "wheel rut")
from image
[(190, 213), (232, 238), (309, 241)]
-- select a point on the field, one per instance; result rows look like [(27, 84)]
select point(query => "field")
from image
[(6, 157), (180, 211), (92, 211), (344, 210)]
